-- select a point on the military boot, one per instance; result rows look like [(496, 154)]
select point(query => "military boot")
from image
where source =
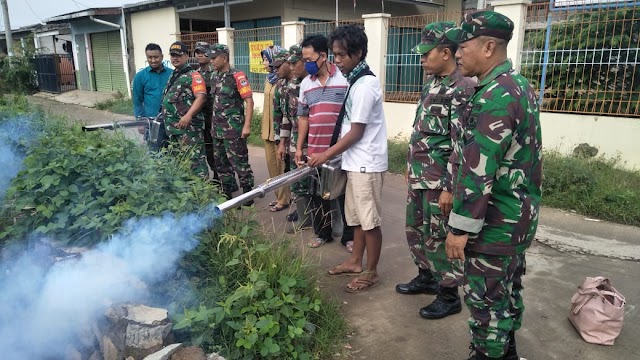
[(447, 303), (511, 354), (424, 283), (244, 191)]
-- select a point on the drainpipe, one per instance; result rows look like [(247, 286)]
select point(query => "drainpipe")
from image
[(123, 42)]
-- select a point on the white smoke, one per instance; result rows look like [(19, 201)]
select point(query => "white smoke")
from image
[(43, 306), (14, 132)]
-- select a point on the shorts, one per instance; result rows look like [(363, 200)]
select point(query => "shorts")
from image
[(363, 199)]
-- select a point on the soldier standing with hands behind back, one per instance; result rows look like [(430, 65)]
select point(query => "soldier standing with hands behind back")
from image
[(498, 189), (184, 97), (232, 111)]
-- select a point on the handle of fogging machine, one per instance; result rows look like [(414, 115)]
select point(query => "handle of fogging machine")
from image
[(117, 124)]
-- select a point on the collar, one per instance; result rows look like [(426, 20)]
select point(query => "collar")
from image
[(451, 79), (500, 69), (182, 68), (332, 71), (150, 69)]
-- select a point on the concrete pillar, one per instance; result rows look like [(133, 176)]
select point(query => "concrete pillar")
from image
[(376, 26), (516, 10), (293, 33), (225, 36)]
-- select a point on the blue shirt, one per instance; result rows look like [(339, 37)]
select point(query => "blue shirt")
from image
[(148, 86)]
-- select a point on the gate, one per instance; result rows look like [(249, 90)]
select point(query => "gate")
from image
[(56, 72)]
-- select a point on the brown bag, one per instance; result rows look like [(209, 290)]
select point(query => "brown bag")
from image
[(597, 311)]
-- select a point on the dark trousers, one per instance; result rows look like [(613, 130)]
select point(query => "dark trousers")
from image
[(321, 218)]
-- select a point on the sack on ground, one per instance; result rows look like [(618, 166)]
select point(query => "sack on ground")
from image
[(597, 311)]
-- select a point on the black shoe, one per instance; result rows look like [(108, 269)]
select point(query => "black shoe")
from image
[(228, 195), (424, 283), (446, 303), (512, 353), (244, 191), (292, 216)]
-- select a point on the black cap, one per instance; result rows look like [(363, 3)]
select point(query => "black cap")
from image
[(178, 48)]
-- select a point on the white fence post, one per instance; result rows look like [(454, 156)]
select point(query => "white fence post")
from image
[(377, 28), (225, 36), (516, 10), (293, 33)]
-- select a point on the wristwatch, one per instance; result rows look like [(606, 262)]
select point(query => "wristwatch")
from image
[(277, 142), (457, 232)]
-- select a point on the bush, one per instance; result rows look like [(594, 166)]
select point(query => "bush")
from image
[(81, 186), (398, 149), (255, 138), (17, 75)]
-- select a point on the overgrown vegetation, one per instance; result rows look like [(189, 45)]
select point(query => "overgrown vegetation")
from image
[(598, 187), (255, 138), (17, 75), (576, 79), (250, 297), (119, 105)]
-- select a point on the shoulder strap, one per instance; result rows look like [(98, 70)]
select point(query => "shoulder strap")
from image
[(175, 77), (336, 131)]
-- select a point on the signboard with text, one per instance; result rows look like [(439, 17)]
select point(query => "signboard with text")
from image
[(255, 58)]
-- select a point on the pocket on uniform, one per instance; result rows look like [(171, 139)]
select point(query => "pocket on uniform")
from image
[(435, 120)]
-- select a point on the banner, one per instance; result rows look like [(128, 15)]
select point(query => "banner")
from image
[(255, 59)]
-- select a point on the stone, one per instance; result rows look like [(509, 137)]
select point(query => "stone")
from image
[(146, 315), (165, 353), (189, 353), (141, 341), (214, 356), (110, 351)]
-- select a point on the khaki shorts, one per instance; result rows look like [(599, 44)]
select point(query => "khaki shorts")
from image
[(363, 199)]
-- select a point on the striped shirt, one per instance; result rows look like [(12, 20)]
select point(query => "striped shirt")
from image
[(322, 105)]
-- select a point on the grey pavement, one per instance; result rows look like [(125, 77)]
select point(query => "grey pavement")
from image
[(386, 325)]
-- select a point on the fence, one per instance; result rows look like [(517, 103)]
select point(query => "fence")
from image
[(55, 72), (242, 52), (584, 59), (404, 73)]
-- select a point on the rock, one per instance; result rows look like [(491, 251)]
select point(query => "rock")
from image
[(165, 353), (214, 356), (146, 315), (585, 150), (189, 353), (145, 340), (110, 351)]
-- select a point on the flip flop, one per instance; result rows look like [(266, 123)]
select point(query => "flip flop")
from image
[(349, 246), (273, 203), (335, 272), (365, 284), (277, 208), (316, 243)]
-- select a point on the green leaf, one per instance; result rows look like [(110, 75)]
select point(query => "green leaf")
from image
[(233, 262), (184, 323)]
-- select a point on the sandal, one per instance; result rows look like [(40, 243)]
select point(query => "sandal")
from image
[(273, 203), (349, 246), (316, 243), (363, 284), (277, 208)]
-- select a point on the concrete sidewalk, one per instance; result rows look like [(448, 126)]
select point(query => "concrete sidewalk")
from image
[(386, 325)]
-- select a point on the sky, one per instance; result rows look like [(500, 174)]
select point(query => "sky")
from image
[(29, 12)]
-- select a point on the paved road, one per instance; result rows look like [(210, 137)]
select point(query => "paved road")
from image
[(386, 325)]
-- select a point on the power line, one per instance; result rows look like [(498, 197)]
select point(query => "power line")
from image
[(78, 4), (33, 12)]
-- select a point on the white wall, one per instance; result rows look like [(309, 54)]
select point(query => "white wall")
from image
[(158, 26)]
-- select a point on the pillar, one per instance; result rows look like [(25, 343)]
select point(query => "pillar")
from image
[(516, 10), (376, 26), (225, 36), (293, 33)]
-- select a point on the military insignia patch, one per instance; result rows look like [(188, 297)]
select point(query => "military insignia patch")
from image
[(244, 82)]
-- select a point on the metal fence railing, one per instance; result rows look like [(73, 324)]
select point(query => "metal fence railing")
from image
[(584, 59), (404, 73), (242, 40)]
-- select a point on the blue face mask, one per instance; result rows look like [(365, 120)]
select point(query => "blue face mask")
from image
[(312, 67)]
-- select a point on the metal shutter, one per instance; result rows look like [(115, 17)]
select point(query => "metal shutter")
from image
[(107, 62)]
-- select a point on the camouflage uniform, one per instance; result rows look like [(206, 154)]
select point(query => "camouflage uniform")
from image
[(497, 192), (229, 89), (207, 73), (430, 149), (289, 127), (176, 102)]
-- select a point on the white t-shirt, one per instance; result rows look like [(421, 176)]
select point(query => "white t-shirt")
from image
[(364, 105)]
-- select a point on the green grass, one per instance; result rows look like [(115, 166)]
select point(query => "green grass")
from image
[(120, 105), (398, 149), (255, 138)]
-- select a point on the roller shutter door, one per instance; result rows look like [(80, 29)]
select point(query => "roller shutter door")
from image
[(106, 50)]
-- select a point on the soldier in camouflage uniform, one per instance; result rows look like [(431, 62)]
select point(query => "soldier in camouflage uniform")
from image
[(206, 70), (183, 99), (280, 111), (498, 189), (429, 176), (289, 136), (232, 111)]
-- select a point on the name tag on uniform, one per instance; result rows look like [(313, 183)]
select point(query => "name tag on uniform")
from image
[(440, 99)]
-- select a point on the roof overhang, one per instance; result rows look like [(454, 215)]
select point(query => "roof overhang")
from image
[(192, 5), (85, 14), (146, 5)]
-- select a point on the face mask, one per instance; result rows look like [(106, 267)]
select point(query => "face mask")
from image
[(312, 67)]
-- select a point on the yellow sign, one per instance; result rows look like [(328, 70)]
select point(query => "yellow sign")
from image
[(255, 58)]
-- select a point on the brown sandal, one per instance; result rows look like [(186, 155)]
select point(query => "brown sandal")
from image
[(365, 284)]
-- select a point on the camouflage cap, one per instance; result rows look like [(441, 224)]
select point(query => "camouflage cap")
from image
[(178, 48), (487, 23), (280, 58), (203, 47), (432, 36), (295, 53), (217, 49)]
